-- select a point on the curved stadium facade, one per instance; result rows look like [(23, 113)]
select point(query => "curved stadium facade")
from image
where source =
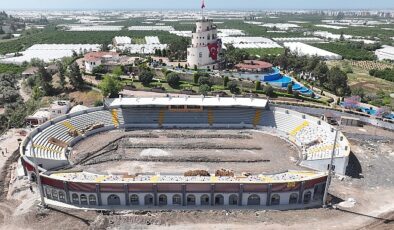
[(51, 145)]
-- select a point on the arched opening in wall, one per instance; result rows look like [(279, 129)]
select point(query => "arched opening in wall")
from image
[(54, 194), (162, 199), (134, 199), (148, 199), (113, 200), (62, 197), (254, 200), (84, 199), (48, 193), (204, 199), (307, 197), (75, 198), (176, 199), (33, 177), (92, 200), (293, 198), (191, 200), (318, 191), (219, 200), (275, 199), (233, 200)]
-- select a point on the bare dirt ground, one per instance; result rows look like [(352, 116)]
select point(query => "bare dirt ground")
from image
[(370, 205), (177, 151)]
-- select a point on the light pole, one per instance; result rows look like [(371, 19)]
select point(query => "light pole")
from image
[(38, 178), (330, 168)]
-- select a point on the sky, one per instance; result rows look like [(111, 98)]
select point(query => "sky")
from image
[(195, 4)]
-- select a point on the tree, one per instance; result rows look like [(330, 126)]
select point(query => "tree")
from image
[(61, 72), (269, 91), (225, 81), (110, 86), (45, 80), (98, 70), (196, 76), (204, 89), (104, 46), (36, 62), (296, 94), (337, 82), (117, 71), (358, 92), (204, 80), (233, 87), (75, 76), (320, 73), (342, 37), (290, 88), (36, 93), (173, 80), (146, 77)]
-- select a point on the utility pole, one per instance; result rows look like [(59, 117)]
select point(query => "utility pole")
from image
[(38, 178), (330, 171)]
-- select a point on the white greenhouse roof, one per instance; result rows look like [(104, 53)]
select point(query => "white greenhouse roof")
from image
[(196, 101), (304, 49), (50, 52), (122, 40), (93, 28), (152, 28), (152, 40)]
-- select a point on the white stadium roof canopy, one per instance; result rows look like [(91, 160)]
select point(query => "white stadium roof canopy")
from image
[(191, 101)]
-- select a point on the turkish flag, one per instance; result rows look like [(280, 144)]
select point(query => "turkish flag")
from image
[(213, 51)]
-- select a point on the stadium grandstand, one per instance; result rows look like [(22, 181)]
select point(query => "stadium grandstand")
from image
[(50, 146)]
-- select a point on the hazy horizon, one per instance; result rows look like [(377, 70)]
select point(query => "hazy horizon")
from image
[(195, 4)]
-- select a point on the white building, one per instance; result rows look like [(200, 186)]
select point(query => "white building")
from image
[(95, 59), (205, 49), (385, 53), (56, 109), (304, 49)]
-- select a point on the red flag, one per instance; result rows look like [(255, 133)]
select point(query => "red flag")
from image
[(203, 4), (213, 50)]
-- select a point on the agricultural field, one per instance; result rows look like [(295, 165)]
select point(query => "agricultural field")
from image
[(52, 35), (368, 65), (347, 50), (361, 79)]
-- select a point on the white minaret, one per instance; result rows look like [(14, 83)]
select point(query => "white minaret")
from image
[(205, 48)]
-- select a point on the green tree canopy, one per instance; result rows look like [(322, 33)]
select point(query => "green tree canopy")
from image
[(75, 76), (146, 77), (110, 86), (204, 89), (173, 80)]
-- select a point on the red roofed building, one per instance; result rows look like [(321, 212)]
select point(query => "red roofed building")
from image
[(254, 66), (94, 59)]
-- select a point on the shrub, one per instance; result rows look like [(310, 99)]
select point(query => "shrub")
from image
[(269, 91), (173, 80), (204, 89), (225, 81), (233, 87), (146, 77)]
